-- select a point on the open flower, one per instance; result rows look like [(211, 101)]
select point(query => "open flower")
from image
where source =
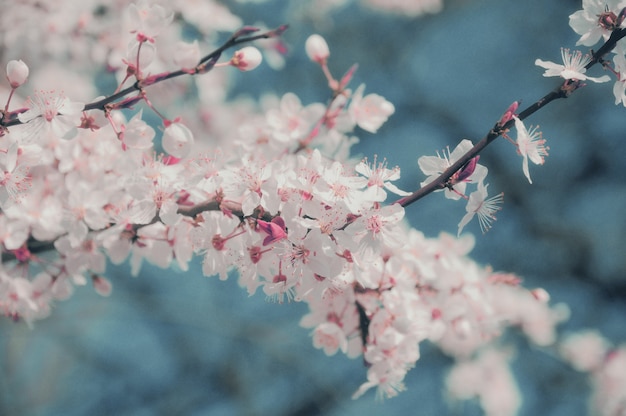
[(434, 166), (51, 112), (573, 67), (485, 208), (177, 139), (530, 145), (369, 112), (147, 20), (376, 176), (597, 20)]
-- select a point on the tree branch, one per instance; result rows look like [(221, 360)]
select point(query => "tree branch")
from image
[(562, 91)]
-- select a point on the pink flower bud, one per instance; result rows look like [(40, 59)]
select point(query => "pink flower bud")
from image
[(177, 140), (317, 49), (17, 72), (246, 59), (102, 285), (541, 295), (508, 114)]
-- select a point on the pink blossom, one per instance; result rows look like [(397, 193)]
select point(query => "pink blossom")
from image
[(177, 139), (379, 178), (370, 112), (137, 134), (477, 378), (102, 285), (434, 166), (147, 20), (330, 337), (484, 208), (14, 175), (587, 22), (573, 67), (585, 350), (530, 145), (17, 73)]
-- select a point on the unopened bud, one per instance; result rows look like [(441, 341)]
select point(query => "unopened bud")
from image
[(317, 49), (508, 114), (102, 285), (246, 59), (17, 73), (467, 170), (541, 295)]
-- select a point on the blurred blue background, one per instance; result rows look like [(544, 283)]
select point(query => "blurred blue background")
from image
[(176, 343)]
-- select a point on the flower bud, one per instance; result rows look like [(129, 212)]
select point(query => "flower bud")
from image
[(317, 49), (541, 295), (177, 140), (17, 72), (102, 285), (246, 59)]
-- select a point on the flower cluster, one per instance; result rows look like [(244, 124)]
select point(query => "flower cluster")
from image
[(594, 23), (267, 190)]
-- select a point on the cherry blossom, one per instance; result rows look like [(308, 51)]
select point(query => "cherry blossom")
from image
[(379, 177), (585, 350), (484, 208), (137, 134), (530, 145), (147, 20), (102, 285), (269, 189), (435, 165), (477, 377), (573, 67), (50, 112), (177, 139), (330, 337), (376, 228), (14, 174), (369, 112), (291, 120), (596, 20), (13, 233), (609, 384)]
